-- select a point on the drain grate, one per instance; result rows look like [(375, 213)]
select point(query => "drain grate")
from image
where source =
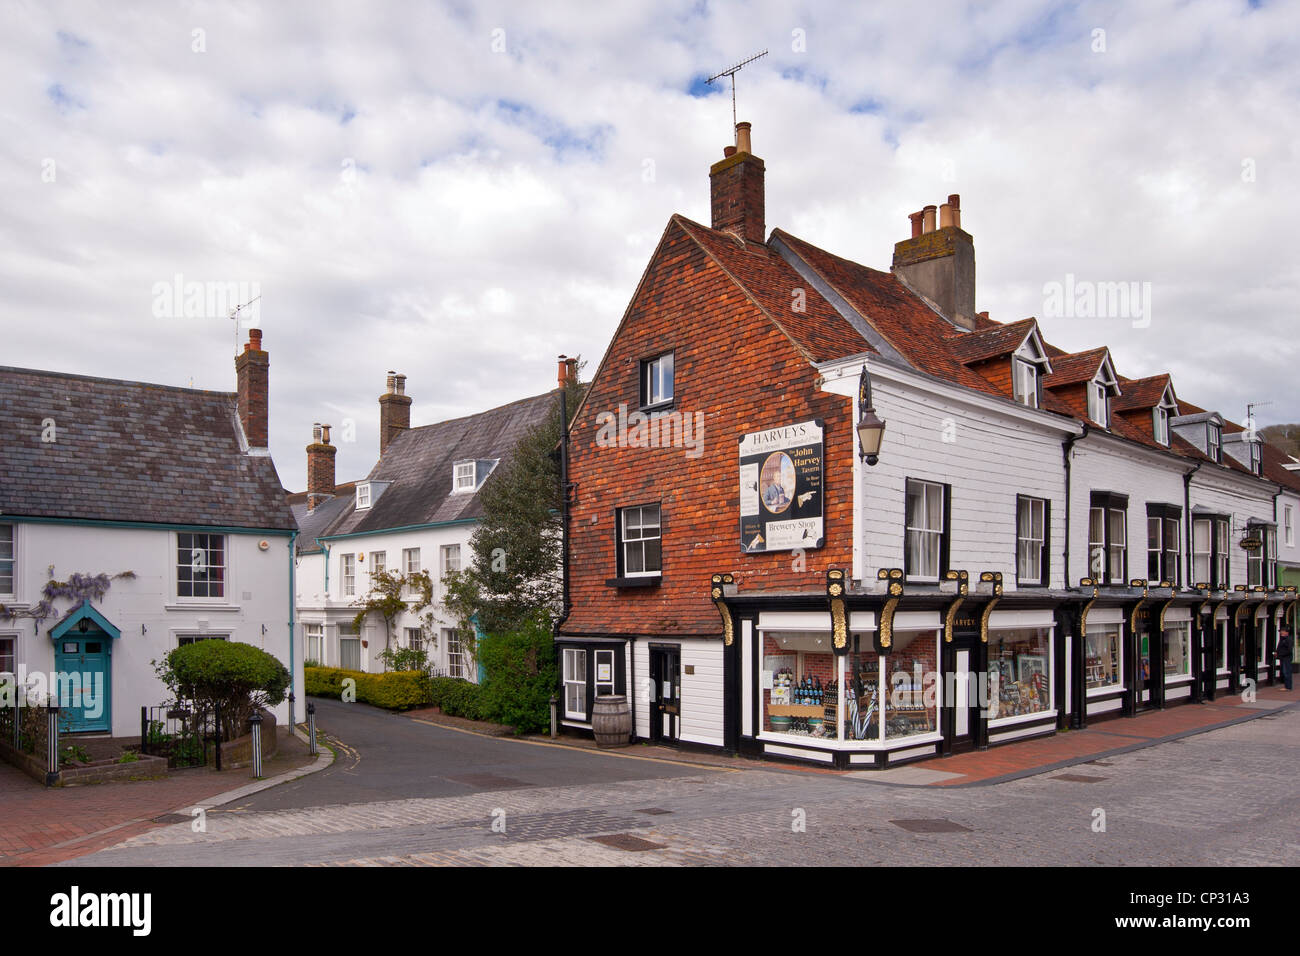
[(488, 781), (931, 826), (654, 811), (626, 841), (1076, 778)]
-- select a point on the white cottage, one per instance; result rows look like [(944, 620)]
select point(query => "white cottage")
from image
[(169, 497), (415, 511)]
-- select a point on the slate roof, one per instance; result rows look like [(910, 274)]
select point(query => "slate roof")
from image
[(419, 463), (131, 451), (313, 524)]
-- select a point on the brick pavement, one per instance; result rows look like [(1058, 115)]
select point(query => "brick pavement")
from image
[(40, 825)]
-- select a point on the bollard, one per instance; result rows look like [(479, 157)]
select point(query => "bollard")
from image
[(52, 751), (554, 705), (255, 722), (311, 727)]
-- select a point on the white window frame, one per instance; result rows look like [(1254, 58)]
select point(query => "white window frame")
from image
[(925, 535), (378, 562), (575, 681), (1214, 442), (1203, 550), (348, 574), (12, 639), (445, 558), (1025, 377), (464, 476), (1160, 424), (12, 561), (1288, 526), (206, 564), (414, 637), (363, 496), (183, 638), (1117, 632), (456, 659), (1028, 541), (411, 560), (612, 683), (628, 545), (350, 636), (1099, 403), (316, 633), (657, 386)]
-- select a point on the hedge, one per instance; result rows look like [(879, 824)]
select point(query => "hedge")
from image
[(520, 677), (396, 690)]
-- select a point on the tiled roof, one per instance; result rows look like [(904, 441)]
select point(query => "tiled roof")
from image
[(313, 524), (910, 326), (1141, 393), (990, 342), (419, 463), (130, 451), (1073, 368), (818, 330)]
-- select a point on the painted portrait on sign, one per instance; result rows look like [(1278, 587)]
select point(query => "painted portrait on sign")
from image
[(776, 480)]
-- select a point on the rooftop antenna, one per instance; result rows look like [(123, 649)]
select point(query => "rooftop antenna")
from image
[(234, 316), (731, 72), (1250, 417)]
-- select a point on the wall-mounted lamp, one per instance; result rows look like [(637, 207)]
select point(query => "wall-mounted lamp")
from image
[(871, 430)]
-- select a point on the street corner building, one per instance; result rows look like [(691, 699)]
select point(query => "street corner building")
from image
[(414, 512), (168, 496), (828, 513)]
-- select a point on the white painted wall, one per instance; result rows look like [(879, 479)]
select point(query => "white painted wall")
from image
[(146, 609)]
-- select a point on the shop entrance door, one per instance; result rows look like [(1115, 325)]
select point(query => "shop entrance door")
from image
[(1147, 672), (665, 692), (961, 696)]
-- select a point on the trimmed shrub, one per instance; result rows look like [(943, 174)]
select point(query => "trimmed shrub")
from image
[(520, 677), (239, 678), (396, 690), (463, 699)]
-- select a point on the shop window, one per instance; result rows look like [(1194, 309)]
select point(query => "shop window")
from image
[(657, 381), (911, 672), (1108, 538), (1031, 541), (604, 676), (1020, 672), (575, 683), (1221, 639), (799, 684), (1164, 532), (862, 697), (926, 539), (1177, 649), (1103, 663), (640, 531), (200, 565)]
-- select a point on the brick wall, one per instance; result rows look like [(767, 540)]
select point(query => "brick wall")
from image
[(735, 366)]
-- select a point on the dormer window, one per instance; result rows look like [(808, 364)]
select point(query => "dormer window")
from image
[(1099, 403), (657, 380), (1256, 458), (1214, 441), (1026, 382), (1160, 424), (363, 496), (465, 477)]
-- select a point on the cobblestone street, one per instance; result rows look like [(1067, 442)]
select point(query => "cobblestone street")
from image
[(1223, 798)]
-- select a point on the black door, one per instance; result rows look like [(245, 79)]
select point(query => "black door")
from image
[(665, 692), (961, 693)]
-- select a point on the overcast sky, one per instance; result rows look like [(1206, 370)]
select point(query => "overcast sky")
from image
[(461, 191)]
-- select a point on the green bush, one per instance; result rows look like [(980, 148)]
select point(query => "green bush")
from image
[(463, 699), (396, 690), (239, 678), (520, 677)]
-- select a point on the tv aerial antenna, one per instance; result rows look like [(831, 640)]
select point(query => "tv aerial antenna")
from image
[(1250, 416), (234, 317), (731, 72)]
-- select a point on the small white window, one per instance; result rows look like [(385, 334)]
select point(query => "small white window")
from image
[(925, 530), (200, 565), (411, 560), (465, 476), (657, 380), (1030, 535), (378, 562), (6, 559), (1286, 527), (1202, 551), (455, 652), (1256, 459), (642, 543), (450, 557), (1213, 441), (363, 496), (575, 683), (8, 655), (315, 643), (1025, 382), (415, 638), (348, 574), (1098, 403), (1160, 416)]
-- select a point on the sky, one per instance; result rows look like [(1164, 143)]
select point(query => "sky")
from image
[(462, 191)]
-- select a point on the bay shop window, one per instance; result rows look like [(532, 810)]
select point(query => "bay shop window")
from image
[(1103, 652), (859, 699), (1020, 673), (1176, 645)]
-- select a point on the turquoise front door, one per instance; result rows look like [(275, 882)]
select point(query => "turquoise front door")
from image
[(83, 676)]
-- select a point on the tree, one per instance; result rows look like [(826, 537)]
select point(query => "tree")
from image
[(388, 598), (517, 571), (238, 678)]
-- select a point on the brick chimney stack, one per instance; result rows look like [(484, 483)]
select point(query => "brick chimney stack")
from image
[(394, 410), (939, 262), (736, 190), (320, 467), (252, 376)]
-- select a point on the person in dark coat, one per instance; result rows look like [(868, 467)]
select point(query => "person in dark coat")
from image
[(1284, 650)]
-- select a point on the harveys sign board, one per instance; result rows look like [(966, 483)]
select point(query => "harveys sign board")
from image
[(781, 489)]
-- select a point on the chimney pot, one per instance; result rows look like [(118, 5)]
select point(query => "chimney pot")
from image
[(742, 138), (915, 218), (401, 384), (325, 434), (954, 201), (316, 431), (561, 371), (728, 152), (927, 220), (945, 216), (571, 371)]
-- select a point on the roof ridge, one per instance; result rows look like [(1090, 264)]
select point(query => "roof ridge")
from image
[(114, 381)]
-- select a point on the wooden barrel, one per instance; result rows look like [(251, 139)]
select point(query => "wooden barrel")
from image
[(611, 721)]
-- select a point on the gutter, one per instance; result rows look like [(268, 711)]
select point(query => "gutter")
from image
[(1187, 516), (293, 600), (1067, 447), (566, 606)]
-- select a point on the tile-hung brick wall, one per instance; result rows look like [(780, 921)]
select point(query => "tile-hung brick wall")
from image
[(733, 364)]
